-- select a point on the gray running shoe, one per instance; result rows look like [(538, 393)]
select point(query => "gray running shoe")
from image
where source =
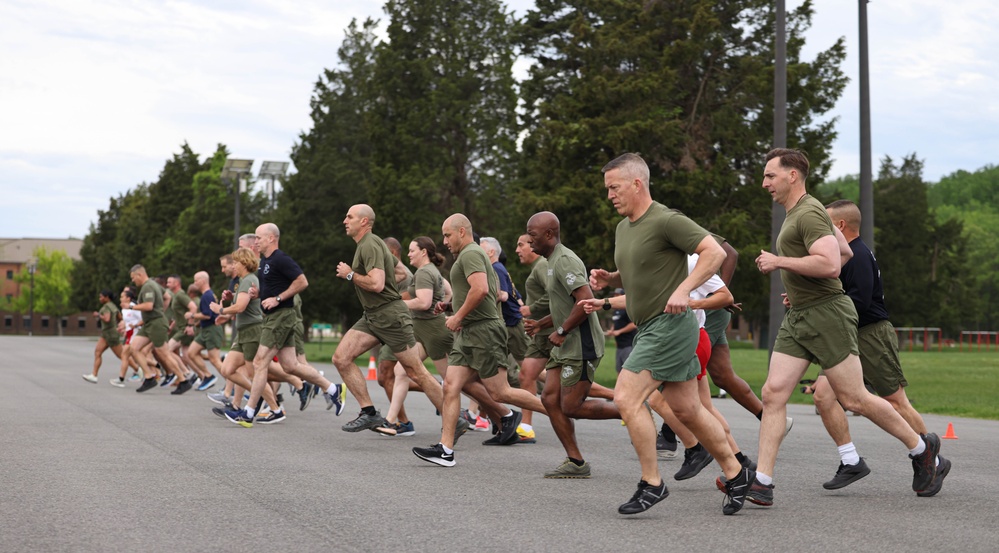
[(568, 469), (460, 428), (365, 422), (220, 398), (789, 424)]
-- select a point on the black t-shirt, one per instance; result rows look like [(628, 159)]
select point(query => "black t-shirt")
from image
[(276, 273), (206, 301), (861, 279), (621, 320)]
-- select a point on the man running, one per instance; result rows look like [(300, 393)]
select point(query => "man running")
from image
[(820, 327), (652, 244)]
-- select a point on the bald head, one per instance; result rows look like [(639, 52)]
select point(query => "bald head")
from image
[(268, 236), (201, 280), (846, 217), (394, 246), (543, 231), (457, 230), (359, 220)]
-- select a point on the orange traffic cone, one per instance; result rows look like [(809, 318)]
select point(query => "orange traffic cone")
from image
[(372, 369), (949, 434)]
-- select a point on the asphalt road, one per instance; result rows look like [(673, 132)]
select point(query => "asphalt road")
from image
[(87, 467)]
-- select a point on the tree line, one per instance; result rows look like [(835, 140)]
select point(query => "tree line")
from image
[(421, 116)]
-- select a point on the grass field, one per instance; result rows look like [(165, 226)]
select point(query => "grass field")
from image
[(964, 384)]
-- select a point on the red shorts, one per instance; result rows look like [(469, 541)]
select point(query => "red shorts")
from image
[(703, 352), (128, 335)]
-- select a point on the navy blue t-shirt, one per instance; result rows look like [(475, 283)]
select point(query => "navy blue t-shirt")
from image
[(276, 273), (206, 300), (861, 279), (511, 307), (621, 320)]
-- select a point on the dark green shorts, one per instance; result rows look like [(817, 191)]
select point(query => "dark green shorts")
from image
[(879, 357), (248, 341), (824, 333), (211, 337), (480, 346), (156, 330), (112, 338), (182, 337), (278, 330), (299, 332), (392, 324), (716, 323), (516, 341), (437, 340), (666, 346), (571, 370), (539, 347)]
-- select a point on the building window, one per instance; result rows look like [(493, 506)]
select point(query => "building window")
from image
[(81, 322), (45, 322), (26, 322), (10, 274), (8, 321), (10, 298), (64, 322)]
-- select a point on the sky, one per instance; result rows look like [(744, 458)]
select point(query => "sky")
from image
[(95, 96)]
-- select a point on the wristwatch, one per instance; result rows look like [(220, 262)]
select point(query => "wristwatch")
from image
[(560, 331), (278, 298), (350, 276), (607, 304)]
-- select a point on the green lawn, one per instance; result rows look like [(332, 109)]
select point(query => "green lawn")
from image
[(964, 384)]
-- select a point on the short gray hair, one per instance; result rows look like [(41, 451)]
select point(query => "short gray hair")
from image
[(492, 243)]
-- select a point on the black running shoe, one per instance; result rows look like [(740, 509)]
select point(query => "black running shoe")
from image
[(272, 418), (942, 469), (847, 474), (508, 434), (760, 494), (736, 491), (924, 465), (646, 496), (748, 463), (147, 384), (220, 412), (182, 388), (495, 440), (694, 461), (665, 449), (305, 395), (435, 454)]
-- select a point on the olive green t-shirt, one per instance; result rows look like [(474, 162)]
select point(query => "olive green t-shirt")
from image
[(473, 259), (651, 255), (407, 282), (372, 253), (537, 288), (178, 307), (151, 292), (427, 277), (253, 313), (585, 342), (110, 327), (805, 223)]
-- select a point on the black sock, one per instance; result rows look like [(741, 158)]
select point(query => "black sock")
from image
[(740, 457), (121, 379), (668, 433), (577, 462), (759, 416), (260, 403), (697, 447), (369, 410)]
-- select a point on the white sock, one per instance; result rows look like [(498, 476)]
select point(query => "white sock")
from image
[(526, 427), (848, 454), (447, 449), (509, 414), (919, 449), (764, 479), (249, 412), (332, 389)]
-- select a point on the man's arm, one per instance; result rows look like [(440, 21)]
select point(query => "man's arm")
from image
[(845, 251), (822, 261), (400, 272), (575, 317), (374, 281), (728, 266), (709, 258), (478, 290)]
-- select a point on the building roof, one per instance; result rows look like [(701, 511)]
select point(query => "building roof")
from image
[(20, 250)]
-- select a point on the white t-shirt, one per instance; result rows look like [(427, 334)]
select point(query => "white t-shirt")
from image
[(131, 317), (711, 286)]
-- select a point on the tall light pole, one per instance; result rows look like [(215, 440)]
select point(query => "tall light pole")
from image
[(233, 174), (780, 141), (273, 171), (866, 184), (31, 297)]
